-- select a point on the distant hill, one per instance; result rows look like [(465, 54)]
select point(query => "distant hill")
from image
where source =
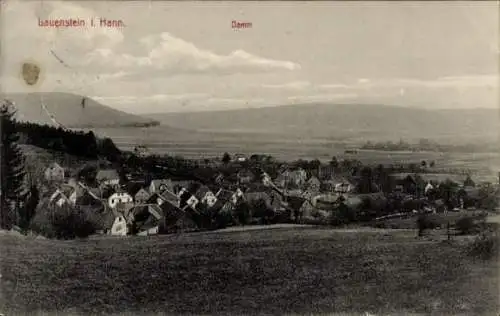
[(69, 110), (347, 122)]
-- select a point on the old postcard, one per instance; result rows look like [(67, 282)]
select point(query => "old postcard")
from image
[(247, 158)]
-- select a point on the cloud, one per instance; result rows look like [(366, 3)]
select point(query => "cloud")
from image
[(333, 86), (466, 81), (167, 53), (296, 85)]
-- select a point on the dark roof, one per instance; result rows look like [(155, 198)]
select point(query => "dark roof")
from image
[(54, 165), (133, 187), (202, 190), (107, 174), (224, 195), (158, 182)]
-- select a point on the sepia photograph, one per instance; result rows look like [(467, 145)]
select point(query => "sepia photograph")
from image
[(249, 157)]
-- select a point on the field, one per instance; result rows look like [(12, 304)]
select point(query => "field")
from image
[(272, 271), (191, 144)]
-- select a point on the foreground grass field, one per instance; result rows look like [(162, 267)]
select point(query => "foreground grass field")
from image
[(272, 271)]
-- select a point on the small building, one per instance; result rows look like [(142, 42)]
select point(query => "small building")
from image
[(120, 227), (141, 196), (54, 173), (119, 198), (240, 158), (108, 177), (429, 187), (245, 176), (161, 198), (291, 178), (186, 198), (224, 200), (313, 184), (206, 196), (160, 185), (59, 198)]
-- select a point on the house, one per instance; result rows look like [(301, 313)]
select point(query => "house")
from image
[(165, 196), (120, 227), (338, 184), (177, 185), (187, 199), (313, 185), (291, 178), (245, 176), (87, 196), (160, 185), (428, 188), (226, 200), (119, 198), (405, 183), (306, 211), (237, 196), (240, 158), (205, 196), (59, 198), (108, 177), (141, 196), (54, 172)]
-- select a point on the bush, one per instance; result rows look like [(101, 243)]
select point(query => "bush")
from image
[(465, 225), (424, 222), (484, 246), (64, 222)]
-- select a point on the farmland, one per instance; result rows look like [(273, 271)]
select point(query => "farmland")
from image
[(162, 140), (286, 270)]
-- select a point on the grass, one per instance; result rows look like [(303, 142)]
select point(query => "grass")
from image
[(272, 271), (439, 218)]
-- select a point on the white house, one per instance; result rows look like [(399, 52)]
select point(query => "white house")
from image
[(119, 227), (428, 187), (54, 172), (119, 197)]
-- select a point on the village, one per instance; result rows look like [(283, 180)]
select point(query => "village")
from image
[(134, 204)]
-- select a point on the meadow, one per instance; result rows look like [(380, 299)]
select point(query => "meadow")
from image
[(273, 271), (162, 140)]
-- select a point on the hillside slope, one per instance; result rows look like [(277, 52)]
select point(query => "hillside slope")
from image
[(68, 110), (331, 121)]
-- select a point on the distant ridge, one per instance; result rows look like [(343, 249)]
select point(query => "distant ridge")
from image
[(71, 111), (346, 120)]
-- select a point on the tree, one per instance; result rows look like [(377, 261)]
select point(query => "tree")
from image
[(468, 182), (334, 162), (314, 164), (27, 212), (12, 167), (226, 158), (423, 163)]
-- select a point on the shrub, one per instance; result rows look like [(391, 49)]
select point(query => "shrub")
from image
[(243, 214), (64, 222), (484, 246), (424, 222), (465, 225)]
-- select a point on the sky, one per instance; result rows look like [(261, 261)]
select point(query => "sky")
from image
[(185, 56)]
